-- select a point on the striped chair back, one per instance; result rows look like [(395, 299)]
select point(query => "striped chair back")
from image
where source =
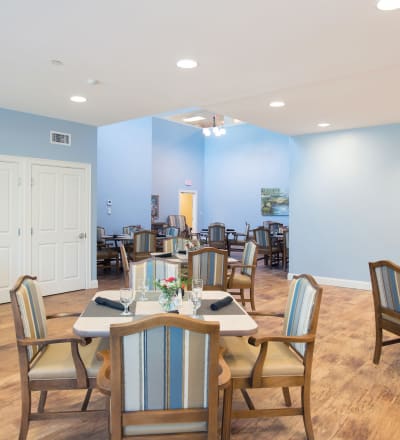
[(178, 221), (101, 232), (302, 309), (171, 231), (216, 232), (386, 277), (249, 257), (29, 315), (210, 264), (162, 363), (152, 269), (170, 245), (262, 237), (144, 243)]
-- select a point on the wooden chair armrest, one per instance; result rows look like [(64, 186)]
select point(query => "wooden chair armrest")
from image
[(104, 374), (48, 341), (257, 340), (63, 315), (274, 315)]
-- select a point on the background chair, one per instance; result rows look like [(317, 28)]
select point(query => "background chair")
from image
[(385, 282), (171, 231), (144, 243), (239, 239), (217, 236), (210, 264), (269, 250), (243, 275), (285, 249), (179, 221), (125, 265), (279, 361), (174, 388), (151, 269), (47, 363), (275, 228), (106, 253)]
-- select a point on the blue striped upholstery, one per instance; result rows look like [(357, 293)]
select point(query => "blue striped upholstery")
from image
[(33, 314), (299, 311), (216, 233), (152, 269), (178, 221), (262, 237), (389, 287), (210, 266), (144, 241), (165, 368), (248, 257), (172, 231), (170, 245)]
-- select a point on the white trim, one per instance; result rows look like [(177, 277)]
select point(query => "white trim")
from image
[(339, 282), (194, 206), (94, 284)]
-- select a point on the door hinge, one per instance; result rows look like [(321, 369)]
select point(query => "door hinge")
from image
[(31, 231), (19, 232)]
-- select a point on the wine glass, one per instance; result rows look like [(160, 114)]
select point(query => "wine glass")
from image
[(142, 289), (196, 294), (126, 299)]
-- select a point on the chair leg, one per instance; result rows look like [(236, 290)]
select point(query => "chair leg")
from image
[(252, 302), (378, 345), (42, 401), (305, 401), (86, 400), (286, 395), (25, 413), (227, 413), (242, 297)]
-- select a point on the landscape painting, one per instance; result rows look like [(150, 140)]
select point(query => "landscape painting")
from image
[(274, 201)]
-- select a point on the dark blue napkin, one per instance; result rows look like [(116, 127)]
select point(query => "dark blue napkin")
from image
[(221, 303), (109, 303)]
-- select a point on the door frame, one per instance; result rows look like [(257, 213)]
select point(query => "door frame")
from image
[(194, 206)]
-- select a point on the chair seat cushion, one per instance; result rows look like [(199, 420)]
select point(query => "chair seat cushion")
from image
[(241, 356), (239, 281), (55, 361)]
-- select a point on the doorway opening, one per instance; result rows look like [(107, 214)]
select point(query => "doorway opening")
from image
[(188, 208)]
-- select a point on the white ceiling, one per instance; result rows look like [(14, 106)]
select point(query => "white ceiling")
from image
[(330, 60)]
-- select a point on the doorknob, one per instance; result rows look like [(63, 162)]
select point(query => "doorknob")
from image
[(82, 235)]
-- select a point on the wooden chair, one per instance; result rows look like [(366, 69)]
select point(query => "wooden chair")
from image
[(275, 228), (48, 363), (171, 231), (162, 375), (243, 275), (152, 269), (279, 361), (270, 250), (239, 239), (106, 253), (217, 236), (144, 243), (211, 265), (385, 282), (179, 221), (125, 265), (285, 249)]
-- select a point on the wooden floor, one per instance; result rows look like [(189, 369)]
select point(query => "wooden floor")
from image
[(351, 397)]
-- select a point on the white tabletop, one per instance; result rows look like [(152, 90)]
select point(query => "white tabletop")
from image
[(240, 324), (183, 258)]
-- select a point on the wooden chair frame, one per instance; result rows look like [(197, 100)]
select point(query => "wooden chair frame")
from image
[(220, 244), (383, 313), (256, 380), (28, 385), (137, 253), (206, 250), (125, 264), (231, 283), (271, 254), (238, 242), (110, 381)]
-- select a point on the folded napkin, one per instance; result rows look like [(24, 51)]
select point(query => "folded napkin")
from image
[(164, 255), (181, 252), (221, 303), (109, 303)]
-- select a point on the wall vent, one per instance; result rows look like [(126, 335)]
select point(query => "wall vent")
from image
[(60, 138)]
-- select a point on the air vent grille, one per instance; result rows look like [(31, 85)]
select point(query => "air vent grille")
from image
[(60, 138)]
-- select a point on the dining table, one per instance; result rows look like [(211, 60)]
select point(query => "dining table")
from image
[(182, 257), (96, 319)]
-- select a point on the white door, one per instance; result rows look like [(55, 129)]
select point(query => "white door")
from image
[(10, 227), (59, 221)]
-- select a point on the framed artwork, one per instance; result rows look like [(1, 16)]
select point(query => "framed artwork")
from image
[(274, 201), (155, 206)]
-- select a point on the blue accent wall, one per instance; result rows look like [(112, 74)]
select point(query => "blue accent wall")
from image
[(178, 155), (237, 166), (28, 135), (344, 200), (125, 174)]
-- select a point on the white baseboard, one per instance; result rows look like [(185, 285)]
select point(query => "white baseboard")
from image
[(94, 284), (4, 297), (339, 282)]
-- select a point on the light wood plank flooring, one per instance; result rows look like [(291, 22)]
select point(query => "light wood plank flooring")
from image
[(351, 397)]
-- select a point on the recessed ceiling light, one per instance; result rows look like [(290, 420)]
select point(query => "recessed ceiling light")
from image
[(277, 104), (187, 64), (79, 99), (194, 119), (56, 62), (388, 5), (324, 124)]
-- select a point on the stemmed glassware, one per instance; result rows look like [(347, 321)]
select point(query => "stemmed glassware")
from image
[(196, 294), (142, 289), (126, 299)]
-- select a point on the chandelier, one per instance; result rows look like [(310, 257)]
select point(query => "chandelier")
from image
[(214, 129)]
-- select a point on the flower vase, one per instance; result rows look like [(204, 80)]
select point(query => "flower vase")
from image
[(167, 302)]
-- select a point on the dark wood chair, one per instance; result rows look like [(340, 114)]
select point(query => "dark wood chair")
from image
[(242, 276), (239, 239), (162, 375), (385, 282), (267, 247), (217, 236), (144, 243), (210, 264), (106, 252), (283, 361), (179, 221), (285, 249), (49, 363)]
